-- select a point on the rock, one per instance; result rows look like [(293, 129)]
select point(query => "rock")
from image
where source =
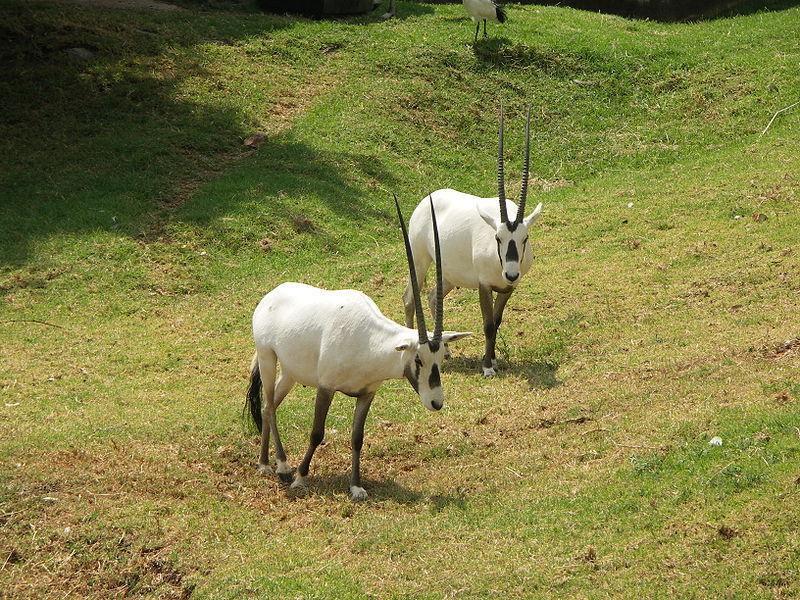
[(80, 53), (255, 140)]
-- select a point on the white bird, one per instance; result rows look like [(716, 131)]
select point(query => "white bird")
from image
[(483, 10), (481, 247), (338, 341)]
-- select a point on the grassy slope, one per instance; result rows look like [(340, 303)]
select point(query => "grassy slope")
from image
[(132, 218)]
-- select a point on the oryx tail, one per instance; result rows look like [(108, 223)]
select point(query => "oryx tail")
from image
[(253, 402)]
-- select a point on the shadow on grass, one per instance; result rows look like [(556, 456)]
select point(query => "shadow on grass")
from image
[(757, 6), (281, 172), (539, 374), (675, 10), (377, 491), (502, 52), (113, 143)]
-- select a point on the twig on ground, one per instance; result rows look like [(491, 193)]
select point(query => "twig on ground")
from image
[(595, 430), (518, 474), (636, 446), (720, 471), (783, 110), (34, 321)]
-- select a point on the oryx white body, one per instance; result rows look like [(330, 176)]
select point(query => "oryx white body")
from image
[(484, 245), (338, 340), (469, 248)]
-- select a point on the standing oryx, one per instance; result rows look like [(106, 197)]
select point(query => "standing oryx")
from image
[(481, 247), (338, 341)]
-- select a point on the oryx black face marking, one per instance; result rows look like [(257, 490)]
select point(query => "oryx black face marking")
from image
[(412, 379), (511, 254), (434, 381)]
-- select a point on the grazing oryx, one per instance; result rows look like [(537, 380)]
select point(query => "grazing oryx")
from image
[(482, 10), (338, 341), (481, 247)]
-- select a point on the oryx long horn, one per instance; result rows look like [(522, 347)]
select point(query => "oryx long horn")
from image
[(524, 193), (412, 272), (501, 178), (437, 328)]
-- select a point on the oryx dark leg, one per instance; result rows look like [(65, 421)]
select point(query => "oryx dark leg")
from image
[(499, 307), (359, 418), (282, 468), (485, 35), (477, 30), (267, 367), (321, 407), (281, 389), (489, 330)]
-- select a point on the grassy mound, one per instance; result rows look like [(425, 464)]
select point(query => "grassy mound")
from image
[(137, 233)]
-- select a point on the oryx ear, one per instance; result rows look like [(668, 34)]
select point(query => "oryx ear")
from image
[(411, 344), (531, 218), (453, 336), (488, 217)]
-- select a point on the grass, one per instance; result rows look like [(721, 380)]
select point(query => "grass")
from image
[(138, 233)]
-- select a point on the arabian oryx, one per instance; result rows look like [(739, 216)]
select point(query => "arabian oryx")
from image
[(338, 341), (481, 247)]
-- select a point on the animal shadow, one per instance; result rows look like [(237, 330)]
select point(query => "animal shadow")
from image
[(539, 374), (377, 490), (502, 52)]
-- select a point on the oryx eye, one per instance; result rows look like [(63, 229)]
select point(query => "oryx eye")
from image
[(498, 239), (418, 361)]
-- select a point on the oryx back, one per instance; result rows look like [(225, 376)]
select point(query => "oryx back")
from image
[(338, 340)]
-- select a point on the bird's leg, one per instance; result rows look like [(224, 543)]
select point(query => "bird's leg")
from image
[(477, 30), (485, 35)]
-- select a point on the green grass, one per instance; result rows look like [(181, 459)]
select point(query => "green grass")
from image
[(137, 234)]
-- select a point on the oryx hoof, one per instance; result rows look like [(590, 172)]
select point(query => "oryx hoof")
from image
[(285, 472), (264, 470), (358, 494), (299, 483), (489, 372)]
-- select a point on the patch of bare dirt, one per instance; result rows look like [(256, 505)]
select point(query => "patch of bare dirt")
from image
[(782, 349)]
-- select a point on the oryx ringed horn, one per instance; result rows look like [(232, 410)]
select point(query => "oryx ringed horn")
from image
[(501, 180), (421, 328), (437, 327), (526, 170)]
